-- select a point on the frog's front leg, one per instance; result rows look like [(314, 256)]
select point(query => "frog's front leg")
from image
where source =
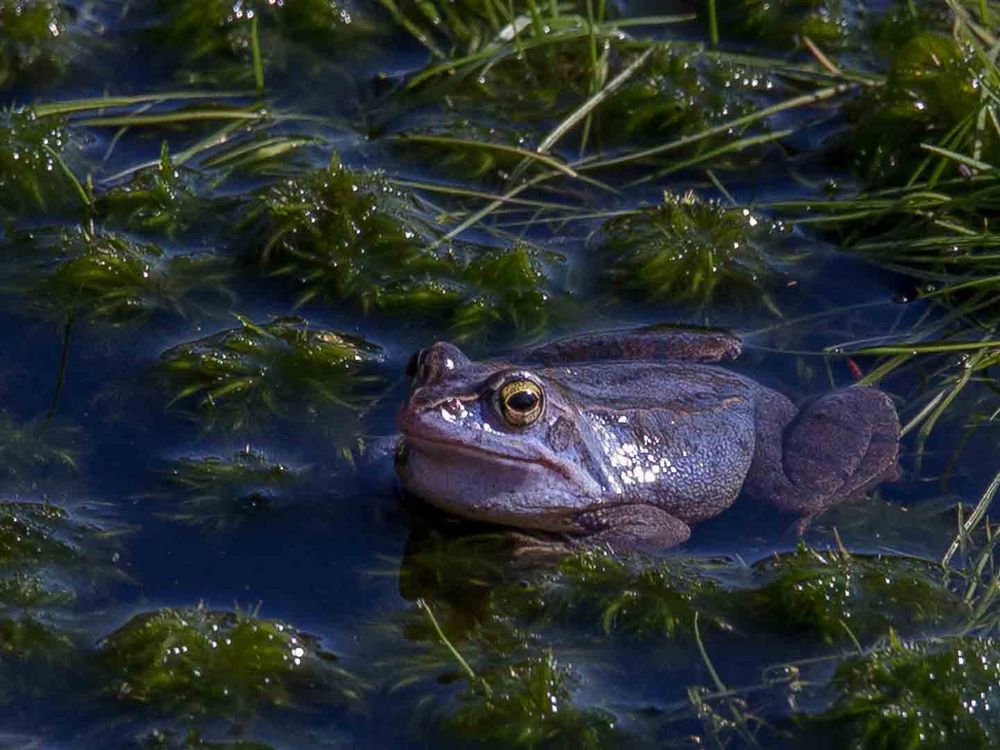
[(836, 449), (621, 528), (632, 526)]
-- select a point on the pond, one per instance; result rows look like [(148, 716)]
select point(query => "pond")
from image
[(225, 226)]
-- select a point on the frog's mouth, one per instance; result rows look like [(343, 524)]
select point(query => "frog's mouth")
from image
[(452, 449), (481, 485)]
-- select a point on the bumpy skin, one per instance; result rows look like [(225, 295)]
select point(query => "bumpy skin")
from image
[(640, 436)]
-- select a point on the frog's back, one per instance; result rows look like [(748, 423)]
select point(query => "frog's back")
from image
[(678, 434)]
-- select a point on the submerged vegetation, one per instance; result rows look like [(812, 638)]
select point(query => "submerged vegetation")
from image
[(196, 660), (277, 368), (820, 175)]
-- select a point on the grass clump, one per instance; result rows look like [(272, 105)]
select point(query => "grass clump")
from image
[(528, 703), (109, 277), (215, 490), (31, 175), (274, 368), (197, 661), (934, 694), (839, 598), (30, 42), (691, 251)]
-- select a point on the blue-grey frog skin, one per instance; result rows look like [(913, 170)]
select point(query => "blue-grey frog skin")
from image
[(626, 438)]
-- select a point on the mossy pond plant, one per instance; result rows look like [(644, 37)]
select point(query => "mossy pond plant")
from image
[(226, 226)]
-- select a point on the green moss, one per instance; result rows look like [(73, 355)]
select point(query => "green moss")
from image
[(218, 33), (25, 639), (825, 594), (781, 24), (632, 596), (340, 233), (678, 94), (26, 590), (198, 661), (109, 277), (216, 490), (937, 694), (690, 251), (156, 199), (931, 95), (31, 179), (528, 703), (29, 535), (30, 48), (33, 449), (275, 368), (505, 288)]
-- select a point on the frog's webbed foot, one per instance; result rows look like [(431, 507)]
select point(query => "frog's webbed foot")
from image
[(837, 449)]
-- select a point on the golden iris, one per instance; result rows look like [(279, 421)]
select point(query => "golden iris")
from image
[(521, 402)]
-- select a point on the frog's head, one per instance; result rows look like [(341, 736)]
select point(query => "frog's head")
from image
[(491, 441)]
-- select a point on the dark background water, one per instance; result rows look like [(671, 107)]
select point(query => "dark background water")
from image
[(327, 554)]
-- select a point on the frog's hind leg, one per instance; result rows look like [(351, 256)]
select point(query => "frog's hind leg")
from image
[(838, 448)]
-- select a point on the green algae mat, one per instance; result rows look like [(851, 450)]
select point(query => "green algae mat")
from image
[(226, 225)]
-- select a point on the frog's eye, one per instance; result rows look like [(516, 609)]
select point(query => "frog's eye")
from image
[(520, 402)]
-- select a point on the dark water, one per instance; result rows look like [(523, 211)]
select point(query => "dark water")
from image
[(339, 552)]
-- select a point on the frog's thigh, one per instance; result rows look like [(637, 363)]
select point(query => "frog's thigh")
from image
[(839, 447), (633, 526)]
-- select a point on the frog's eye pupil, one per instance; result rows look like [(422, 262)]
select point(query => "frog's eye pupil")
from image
[(522, 401)]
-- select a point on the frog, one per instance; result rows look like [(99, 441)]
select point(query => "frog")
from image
[(627, 438)]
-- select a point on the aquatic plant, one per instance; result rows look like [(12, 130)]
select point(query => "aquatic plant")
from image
[(783, 23), (29, 535), (928, 694), (640, 598), (838, 597), (159, 198), (252, 32), (275, 368), (105, 276), (30, 44), (35, 448), (933, 94), (32, 174), (217, 490), (195, 661), (693, 252), (340, 233), (528, 703)]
